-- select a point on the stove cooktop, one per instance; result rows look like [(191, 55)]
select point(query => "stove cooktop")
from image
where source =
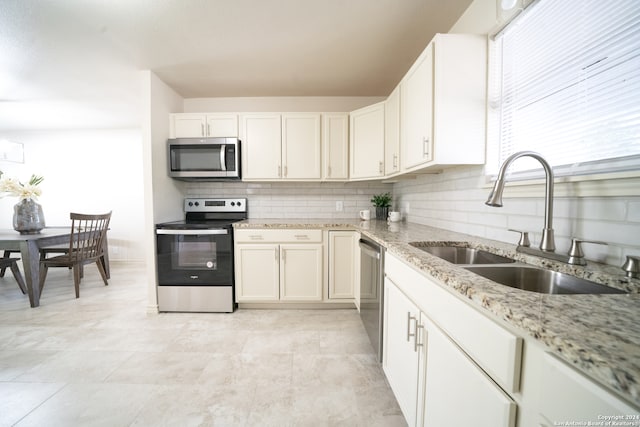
[(196, 225), (203, 214)]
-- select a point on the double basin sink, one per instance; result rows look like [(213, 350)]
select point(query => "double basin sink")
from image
[(507, 272)]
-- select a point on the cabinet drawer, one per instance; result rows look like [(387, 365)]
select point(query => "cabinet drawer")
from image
[(496, 350), (278, 236)]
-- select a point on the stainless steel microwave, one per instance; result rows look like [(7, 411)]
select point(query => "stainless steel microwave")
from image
[(204, 158)]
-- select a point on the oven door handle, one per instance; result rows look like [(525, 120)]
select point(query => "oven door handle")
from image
[(191, 232)]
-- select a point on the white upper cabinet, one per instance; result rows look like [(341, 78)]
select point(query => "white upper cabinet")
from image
[(392, 133), (335, 145), (417, 112), (443, 98), (367, 142), (203, 125), (281, 146), (261, 138), (301, 151)]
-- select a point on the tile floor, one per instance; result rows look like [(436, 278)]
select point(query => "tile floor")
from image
[(102, 361)]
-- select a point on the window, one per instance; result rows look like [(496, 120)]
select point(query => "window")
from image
[(565, 82)]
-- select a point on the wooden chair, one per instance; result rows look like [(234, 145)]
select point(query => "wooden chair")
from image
[(7, 254), (85, 246), (12, 263)]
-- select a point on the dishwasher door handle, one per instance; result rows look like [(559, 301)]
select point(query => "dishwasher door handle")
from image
[(369, 250)]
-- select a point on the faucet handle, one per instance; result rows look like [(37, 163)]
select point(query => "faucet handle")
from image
[(524, 238), (576, 256), (632, 267)]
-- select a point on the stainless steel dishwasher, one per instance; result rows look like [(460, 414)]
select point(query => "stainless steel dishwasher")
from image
[(371, 294)]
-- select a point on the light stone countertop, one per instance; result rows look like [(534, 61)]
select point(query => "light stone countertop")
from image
[(597, 334)]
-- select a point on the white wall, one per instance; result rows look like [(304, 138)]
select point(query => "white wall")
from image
[(87, 171), (454, 199), (161, 193)]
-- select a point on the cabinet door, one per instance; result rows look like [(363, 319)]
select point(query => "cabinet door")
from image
[(457, 392), (301, 272), (222, 125), (392, 133), (417, 112), (566, 394), (257, 272), (400, 354), (342, 264), (261, 139), (301, 154), (367, 142), (188, 125), (335, 143)]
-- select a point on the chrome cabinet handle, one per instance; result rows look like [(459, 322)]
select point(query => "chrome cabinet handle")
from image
[(409, 319), (279, 171), (208, 129), (425, 146), (256, 237), (202, 129), (286, 172), (415, 341), (381, 167), (395, 161)]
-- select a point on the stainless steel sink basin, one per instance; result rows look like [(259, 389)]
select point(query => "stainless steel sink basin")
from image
[(457, 255), (541, 281)]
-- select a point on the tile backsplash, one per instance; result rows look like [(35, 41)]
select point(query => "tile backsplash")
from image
[(454, 200), (295, 199)]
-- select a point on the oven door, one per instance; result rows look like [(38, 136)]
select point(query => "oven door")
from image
[(194, 257)]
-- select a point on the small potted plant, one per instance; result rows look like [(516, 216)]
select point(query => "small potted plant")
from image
[(382, 202)]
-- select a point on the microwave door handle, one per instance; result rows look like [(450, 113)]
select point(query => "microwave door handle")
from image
[(223, 158)]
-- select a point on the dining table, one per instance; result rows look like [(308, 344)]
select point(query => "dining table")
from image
[(29, 246)]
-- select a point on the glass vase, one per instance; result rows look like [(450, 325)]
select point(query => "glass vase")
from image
[(28, 217)]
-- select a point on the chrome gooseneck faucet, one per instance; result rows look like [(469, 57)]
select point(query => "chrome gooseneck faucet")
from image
[(547, 244)]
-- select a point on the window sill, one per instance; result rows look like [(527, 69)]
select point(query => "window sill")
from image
[(601, 185)]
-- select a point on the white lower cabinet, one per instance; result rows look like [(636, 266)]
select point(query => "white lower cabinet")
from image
[(342, 264), (257, 272), (301, 272), (435, 381), (566, 394), (279, 265), (401, 360), (452, 379)]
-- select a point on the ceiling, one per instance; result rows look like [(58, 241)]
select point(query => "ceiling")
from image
[(75, 63)]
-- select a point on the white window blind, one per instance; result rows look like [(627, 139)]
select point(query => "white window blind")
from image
[(565, 82)]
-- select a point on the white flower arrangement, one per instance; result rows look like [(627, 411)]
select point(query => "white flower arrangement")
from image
[(13, 187)]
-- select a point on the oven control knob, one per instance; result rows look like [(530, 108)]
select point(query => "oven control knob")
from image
[(209, 264), (197, 203), (239, 203), (190, 203), (233, 203)]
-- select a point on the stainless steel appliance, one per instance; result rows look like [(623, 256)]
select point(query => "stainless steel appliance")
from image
[(204, 158), (371, 293), (195, 257)]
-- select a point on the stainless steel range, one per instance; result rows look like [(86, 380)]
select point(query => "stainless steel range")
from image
[(195, 257)]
